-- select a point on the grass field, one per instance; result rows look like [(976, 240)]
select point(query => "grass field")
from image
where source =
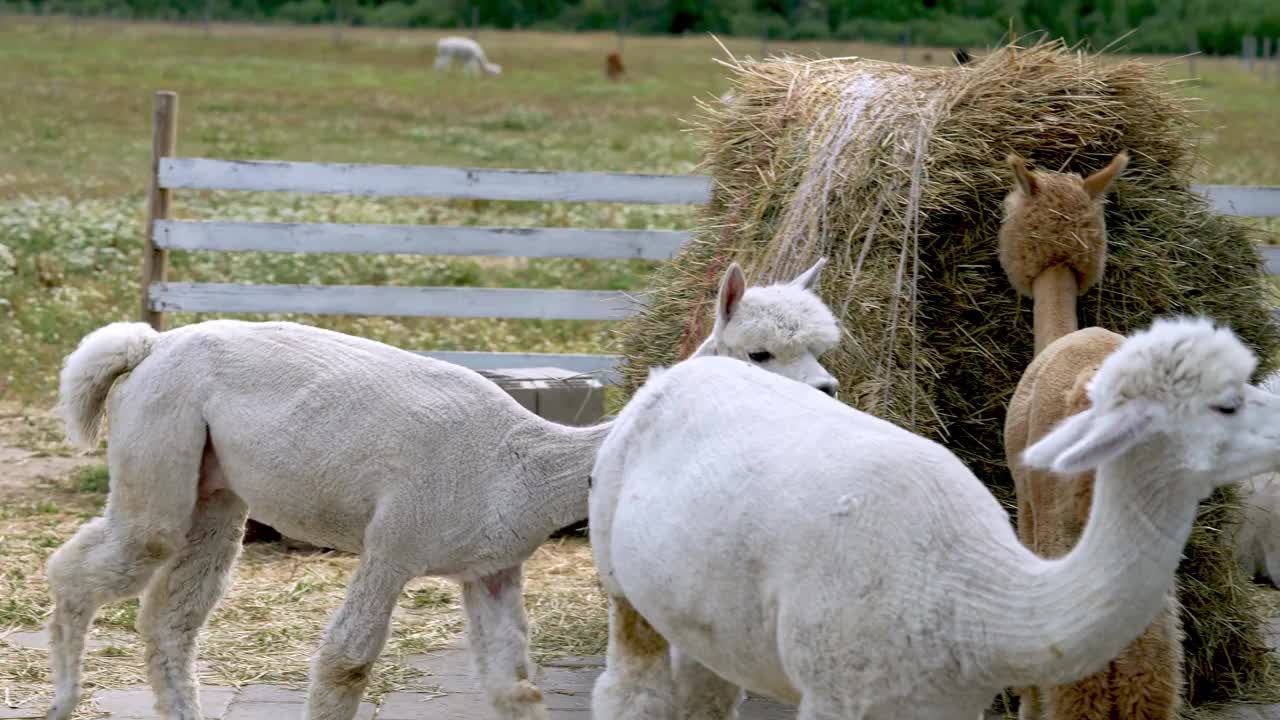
[(75, 131), (75, 103)]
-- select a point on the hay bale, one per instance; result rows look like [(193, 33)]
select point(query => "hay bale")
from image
[(896, 173)]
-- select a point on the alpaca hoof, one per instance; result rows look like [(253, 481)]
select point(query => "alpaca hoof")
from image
[(614, 699), (522, 702), (526, 692), (58, 711)]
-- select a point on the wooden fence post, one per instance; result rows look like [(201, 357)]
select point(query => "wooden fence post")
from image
[(164, 143)]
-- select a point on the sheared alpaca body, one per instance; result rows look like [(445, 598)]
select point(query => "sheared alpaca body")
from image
[(1257, 538), (1053, 247), (467, 52), (831, 559), (420, 466)]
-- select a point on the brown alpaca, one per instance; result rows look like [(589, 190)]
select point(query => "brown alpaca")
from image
[(613, 66), (1053, 247)]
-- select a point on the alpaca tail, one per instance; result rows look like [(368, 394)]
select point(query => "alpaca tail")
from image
[(89, 372)]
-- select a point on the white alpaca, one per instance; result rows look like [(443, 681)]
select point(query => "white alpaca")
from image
[(1257, 537), (466, 51), (831, 559), (420, 466)]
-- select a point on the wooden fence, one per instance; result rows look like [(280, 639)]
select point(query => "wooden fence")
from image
[(163, 234)]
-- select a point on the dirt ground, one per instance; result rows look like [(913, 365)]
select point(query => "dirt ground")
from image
[(33, 458)]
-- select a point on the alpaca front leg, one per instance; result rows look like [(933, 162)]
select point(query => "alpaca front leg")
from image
[(498, 632), (636, 683), (1029, 704), (353, 641), (700, 693)]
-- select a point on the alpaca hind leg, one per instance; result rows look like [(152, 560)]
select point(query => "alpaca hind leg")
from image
[(1147, 678), (103, 562), (1273, 569), (353, 640), (178, 601), (1086, 699), (1271, 558), (498, 632), (700, 693), (1029, 704), (636, 683)]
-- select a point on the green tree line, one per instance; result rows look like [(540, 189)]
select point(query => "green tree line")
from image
[(1166, 26)]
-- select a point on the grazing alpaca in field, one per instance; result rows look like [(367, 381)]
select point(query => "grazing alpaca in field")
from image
[(613, 68), (466, 51), (420, 466), (1257, 537), (1053, 247), (788, 544)]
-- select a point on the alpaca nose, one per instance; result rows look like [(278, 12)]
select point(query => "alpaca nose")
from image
[(827, 387)]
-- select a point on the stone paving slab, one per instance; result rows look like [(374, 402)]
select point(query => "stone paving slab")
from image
[(284, 711), (409, 705), (39, 640), (449, 691), (138, 703), (271, 694), (438, 707)]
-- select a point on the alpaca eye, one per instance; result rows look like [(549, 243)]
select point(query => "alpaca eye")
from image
[(761, 356), (1226, 409)]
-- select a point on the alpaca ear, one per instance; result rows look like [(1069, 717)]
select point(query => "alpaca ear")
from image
[(1100, 182), (1087, 440), (809, 278), (1021, 175), (732, 287), (1065, 434)]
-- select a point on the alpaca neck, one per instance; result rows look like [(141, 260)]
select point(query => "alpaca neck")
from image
[(1058, 620), (708, 347), (552, 463), (1054, 292)]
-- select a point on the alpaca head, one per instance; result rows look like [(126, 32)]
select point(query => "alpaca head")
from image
[(784, 328), (492, 68), (1183, 385), (1055, 218)]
